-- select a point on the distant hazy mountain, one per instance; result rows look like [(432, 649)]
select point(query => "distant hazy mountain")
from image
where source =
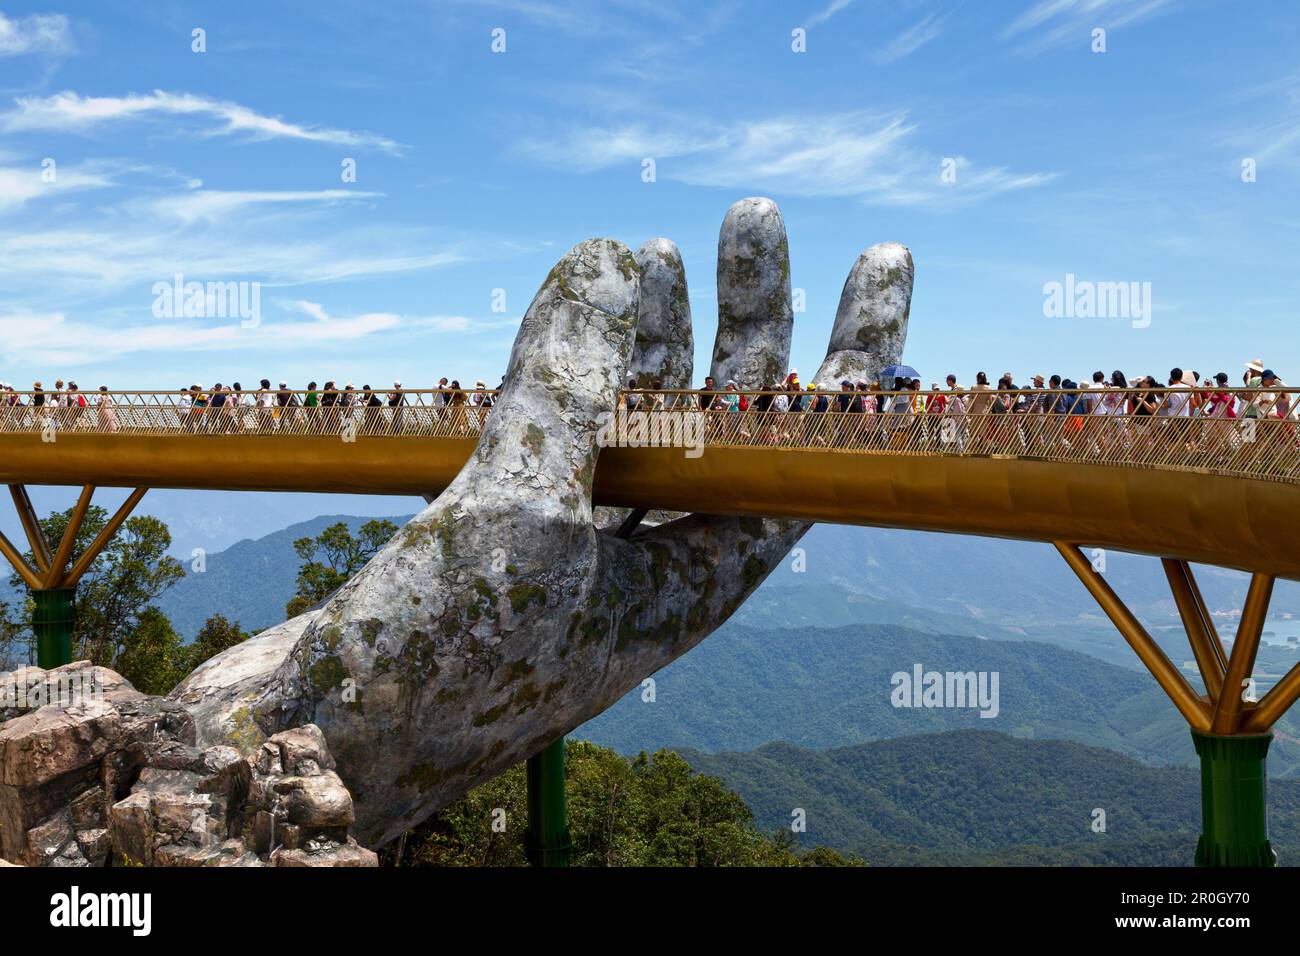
[(1003, 588), (821, 688), (214, 520), (977, 797), (251, 581)]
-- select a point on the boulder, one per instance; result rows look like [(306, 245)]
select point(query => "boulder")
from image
[(338, 854), (320, 801)]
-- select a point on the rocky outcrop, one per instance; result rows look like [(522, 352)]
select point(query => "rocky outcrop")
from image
[(116, 776)]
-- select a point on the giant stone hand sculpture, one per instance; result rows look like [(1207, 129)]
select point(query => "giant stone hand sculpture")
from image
[(500, 617)]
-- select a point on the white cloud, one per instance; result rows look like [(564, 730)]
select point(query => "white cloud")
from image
[(99, 260), (19, 185), (70, 112), (211, 204), (842, 154), (438, 323), (51, 338), (1054, 23), (591, 148), (835, 7), (40, 33), (911, 39)]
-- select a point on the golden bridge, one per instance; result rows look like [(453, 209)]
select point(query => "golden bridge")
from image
[(1184, 489)]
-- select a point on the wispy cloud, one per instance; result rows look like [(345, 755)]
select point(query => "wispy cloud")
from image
[(212, 204), (377, 320), (97, 260), (1054, 23), (40, 33), (52, 338), (845, 154), (833, 8), (19, 184), (911, 39), (71, 112)]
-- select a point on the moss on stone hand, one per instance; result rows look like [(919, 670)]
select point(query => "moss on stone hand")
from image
[(523, 595)]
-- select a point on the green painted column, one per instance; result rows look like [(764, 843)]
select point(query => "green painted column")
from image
[(53, 620), (547, 840), (1234, 816)]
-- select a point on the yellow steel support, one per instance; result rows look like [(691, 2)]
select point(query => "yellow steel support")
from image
[(62, 556), (1216, 645), (1274, 704), (105, 535), (1228, 707), (32, 527), (15, 558), (1194, 710), (1206, 647)]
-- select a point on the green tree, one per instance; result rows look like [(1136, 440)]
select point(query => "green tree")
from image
[(650, 810), (120, 584), (153, 658), (214, 636), (332, 557), (16, 647)]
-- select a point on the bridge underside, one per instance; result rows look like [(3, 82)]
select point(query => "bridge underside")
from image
[(1233, 522)]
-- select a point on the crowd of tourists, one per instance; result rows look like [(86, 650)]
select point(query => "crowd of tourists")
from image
[(1105, 412), (232, 408), (896, 410)]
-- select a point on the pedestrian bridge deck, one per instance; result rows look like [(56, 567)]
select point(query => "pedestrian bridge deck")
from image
[(1217, 491)]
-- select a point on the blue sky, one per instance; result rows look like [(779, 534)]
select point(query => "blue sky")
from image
[(475, 170)]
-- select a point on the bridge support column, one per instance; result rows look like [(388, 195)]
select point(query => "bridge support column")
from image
[(547, 840), (53, 620), (1230, 732), (54, 589), (1234, 815)]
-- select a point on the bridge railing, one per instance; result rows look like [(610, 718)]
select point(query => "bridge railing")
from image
[(436, 413), (1239, 431)]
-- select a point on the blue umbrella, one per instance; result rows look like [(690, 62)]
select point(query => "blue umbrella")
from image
[(899, 371)]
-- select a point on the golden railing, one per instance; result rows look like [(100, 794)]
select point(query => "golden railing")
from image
[(1103, 426), (1236, 432), (435, 413)]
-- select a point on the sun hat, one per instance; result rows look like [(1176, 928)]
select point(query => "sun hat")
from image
[(1255, 365)]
